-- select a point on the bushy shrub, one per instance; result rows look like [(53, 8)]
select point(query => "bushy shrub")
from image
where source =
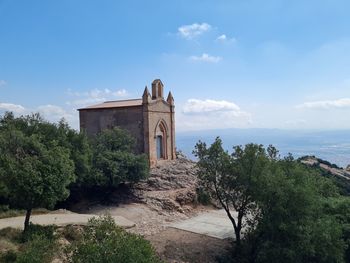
[(11, 234), (9, 238), (4, 208), (8, 257), (11, 213), (104, 242), (71, 233), (202, 196), (114, 161), (38, 250), (37, 244), (33, 231)]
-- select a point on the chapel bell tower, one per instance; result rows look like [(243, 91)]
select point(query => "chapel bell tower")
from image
[(157, 89)]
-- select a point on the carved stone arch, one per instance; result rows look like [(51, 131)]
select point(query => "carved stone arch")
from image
[(162, 123), (161, 134)]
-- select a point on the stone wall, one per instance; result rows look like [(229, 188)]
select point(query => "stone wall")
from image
[(129, 118)]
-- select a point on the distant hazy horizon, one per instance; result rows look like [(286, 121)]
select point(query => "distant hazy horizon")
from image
[(330, 145)]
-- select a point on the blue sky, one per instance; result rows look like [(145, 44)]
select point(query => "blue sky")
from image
[(238, 63)]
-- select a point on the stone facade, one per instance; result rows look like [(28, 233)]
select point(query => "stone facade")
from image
[(150, 120)]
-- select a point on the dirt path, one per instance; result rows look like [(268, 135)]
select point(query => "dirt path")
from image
[(60, 219), (148, 221), (175, 245)]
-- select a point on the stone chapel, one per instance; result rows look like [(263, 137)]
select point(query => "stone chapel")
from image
[(150, 120)]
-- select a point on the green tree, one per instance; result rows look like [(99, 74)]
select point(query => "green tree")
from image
[(104, 242), (232, 179), (114, 160), (77, 143), (292, 213), (36, 171), (339, 207), (3, 193), (294, 225)]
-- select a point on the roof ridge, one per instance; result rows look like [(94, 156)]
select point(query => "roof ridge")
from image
[(115, 104), (109, 101)]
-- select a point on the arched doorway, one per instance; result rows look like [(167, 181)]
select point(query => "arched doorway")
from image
[(161, 140), (160, 150)]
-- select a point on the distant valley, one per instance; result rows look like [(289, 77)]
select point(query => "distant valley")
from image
[(333, 146)]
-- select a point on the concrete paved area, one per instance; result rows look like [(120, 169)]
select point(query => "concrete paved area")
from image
[(214, 224), (60, 220)]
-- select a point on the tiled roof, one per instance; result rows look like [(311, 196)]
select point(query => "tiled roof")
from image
[(115, 104)]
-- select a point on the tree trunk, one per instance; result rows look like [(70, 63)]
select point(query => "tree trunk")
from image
[(238, 237), (236, 226), (239, 228), (26, 221)]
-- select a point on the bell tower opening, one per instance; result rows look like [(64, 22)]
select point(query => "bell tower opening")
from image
[(157, 89)]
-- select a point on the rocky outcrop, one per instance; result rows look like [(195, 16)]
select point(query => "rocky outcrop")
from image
[(326, 166), (171, 186), (348, 168)]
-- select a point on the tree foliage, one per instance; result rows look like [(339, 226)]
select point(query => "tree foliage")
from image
[(294, 225), (288, 211), (114, 160), (104, 242), (35, 171), (44, 159), (232, 179)]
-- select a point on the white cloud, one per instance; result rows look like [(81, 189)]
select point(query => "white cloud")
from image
[(204, 106), (191, 31), (2, 83), (224, 39), (54, 113), (49, 112), (12, 107), (205, 58), (212, 114), (326, 104), (120, 93), (95, 96)]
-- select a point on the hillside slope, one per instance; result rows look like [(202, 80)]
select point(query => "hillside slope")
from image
[(339, 175)]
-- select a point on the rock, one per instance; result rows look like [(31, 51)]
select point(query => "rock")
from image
[(170, 175), (186, 197), (170, 186), (326, 166)]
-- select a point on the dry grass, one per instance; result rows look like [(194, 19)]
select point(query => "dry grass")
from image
[(174, 245), (6, 245), (10, 234), (71, 233), (9, 243)]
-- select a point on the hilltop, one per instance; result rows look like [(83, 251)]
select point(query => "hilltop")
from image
[(340, 175)]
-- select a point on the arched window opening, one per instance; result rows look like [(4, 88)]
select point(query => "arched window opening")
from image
[(160, 91)]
